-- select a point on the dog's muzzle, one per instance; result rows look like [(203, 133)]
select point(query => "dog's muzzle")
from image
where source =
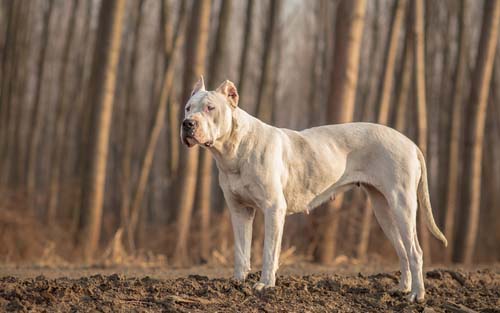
[(189, 126)]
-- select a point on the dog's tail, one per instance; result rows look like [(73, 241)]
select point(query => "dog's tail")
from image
[(425, 203)]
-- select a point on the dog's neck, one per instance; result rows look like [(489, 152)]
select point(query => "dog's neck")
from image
[(232, 148)]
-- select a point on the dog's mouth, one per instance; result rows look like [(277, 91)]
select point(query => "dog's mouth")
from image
[(190, 141)]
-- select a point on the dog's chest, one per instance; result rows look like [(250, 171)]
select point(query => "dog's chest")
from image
[(240, 187)]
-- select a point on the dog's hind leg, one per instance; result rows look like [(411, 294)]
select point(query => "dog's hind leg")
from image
[(387, 223), (404, 207)]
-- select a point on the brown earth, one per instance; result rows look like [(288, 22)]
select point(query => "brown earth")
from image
[(448, 290)]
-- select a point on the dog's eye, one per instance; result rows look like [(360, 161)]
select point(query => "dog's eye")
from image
[(210, 108), (188, 108)]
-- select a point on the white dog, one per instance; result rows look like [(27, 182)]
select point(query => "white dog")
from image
[(282, 171)]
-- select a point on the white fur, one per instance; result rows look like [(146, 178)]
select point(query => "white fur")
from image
[(281, 172)]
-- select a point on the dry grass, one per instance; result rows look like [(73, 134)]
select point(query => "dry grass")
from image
[(116, 255)]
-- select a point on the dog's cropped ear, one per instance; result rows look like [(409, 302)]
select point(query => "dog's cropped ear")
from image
[(228, 89), (199, 86)]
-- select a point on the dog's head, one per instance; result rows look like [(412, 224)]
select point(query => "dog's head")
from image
[(208, 114)]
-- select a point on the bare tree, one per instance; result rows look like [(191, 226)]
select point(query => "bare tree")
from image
[(247, 36), (62, 109), (12, 89), (219, 54), (6, 80), (82, 82), (128, 126), (105, 62), (36, 118), (204, 198), (466, 241), (368, 114), (368, 111), (154, 134), (173, 108), (196, 51), (405, 80), (313, 97), (348, 36), (398, 12), (456, 124), (264, 108), (419, 55)]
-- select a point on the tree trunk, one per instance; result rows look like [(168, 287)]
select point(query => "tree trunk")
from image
[(154, 134), (76, 162), (398, 12), (276, 59), (493, 195), (4, 7), (344, 78), (348, 37), (390, 62), (419, 54), (444, 114), (247, 36), (129, 126), (313, 97), (478, 102), (18, 153), (5, 80), (62, 109), (456, 124), (102, 89), (82, 82), (12, 93), (405, 81), (167, 25), (196, 51), (369, 109), (204, 199), (368, 115), (173, 109), (264, 107), (219, 53), (36, 119)]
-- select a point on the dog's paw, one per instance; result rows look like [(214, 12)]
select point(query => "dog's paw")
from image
[(404, 287), (259, 286), (415, 297)]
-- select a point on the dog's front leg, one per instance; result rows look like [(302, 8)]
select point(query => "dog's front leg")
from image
[(274, 220), (242, 219)]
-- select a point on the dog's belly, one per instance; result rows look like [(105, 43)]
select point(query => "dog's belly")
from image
[(308, 200), (298, 197)]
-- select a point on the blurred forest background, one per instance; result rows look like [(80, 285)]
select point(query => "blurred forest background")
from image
[(92, 93)]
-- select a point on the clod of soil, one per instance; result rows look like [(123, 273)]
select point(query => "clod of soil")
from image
[(447, 291)]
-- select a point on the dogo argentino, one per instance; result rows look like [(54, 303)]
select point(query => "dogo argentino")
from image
[(282, 171)]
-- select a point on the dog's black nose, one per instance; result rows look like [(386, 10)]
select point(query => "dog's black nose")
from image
[(189, 124)]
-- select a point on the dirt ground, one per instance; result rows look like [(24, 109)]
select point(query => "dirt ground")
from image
[(300, 288)]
